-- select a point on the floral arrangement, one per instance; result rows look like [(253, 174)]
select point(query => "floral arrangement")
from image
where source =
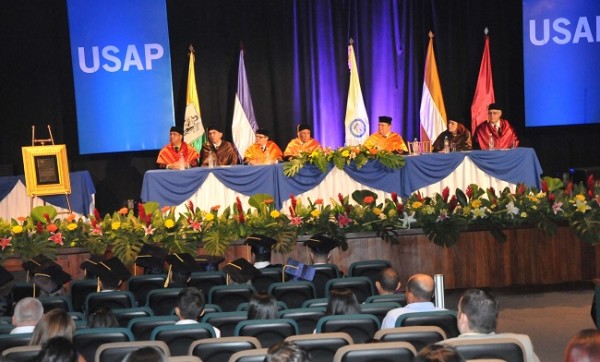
[(342, 157), (441, 216)]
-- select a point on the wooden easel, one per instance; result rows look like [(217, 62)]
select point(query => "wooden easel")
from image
[(44, 142)]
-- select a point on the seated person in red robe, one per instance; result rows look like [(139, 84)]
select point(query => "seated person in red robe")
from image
[(496, 132), (303, 144), (177, 154), (263, 151)]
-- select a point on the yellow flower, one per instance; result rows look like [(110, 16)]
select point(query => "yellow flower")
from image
[(209, 217), (345, 153), (376, 211), (582, 206), (533, 198), (314, 154), (169, 223), (315, 213), (580, 197), (523, 214), (73, 244), (115, 225), (17, 229), (416, 205), (72, 226), (392, 213), (274, 214), (476, 203)]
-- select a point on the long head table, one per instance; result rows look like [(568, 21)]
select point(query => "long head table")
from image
[(428, 173)]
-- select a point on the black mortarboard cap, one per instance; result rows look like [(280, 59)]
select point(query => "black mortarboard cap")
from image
[(385, 119), (5, 276), (51, 278), (214, 127), (37, 263), (151, 257), (321, 243), (302, 127), (209, 262), (494, 106), (263, 131), (177, 129), (241, 270), (181, 262), (260, 244), (90, 266), (112, 270), (300, 270)]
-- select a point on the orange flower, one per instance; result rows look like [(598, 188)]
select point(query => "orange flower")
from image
[(71, 217), (369, 200), (21, 218), (319, 202), (52, 227), (268, 201), (373, 151), (215, 208), (123, 211), (165, 209)]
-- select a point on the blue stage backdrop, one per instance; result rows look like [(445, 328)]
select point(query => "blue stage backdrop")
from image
[(122, 73), (561, 40)]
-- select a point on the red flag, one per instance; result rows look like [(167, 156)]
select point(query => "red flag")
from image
[(484, 92)]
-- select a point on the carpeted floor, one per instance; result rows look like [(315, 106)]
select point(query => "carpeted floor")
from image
[(549, 315)]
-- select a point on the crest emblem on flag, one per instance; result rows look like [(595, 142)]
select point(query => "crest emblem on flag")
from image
[(358, 128)]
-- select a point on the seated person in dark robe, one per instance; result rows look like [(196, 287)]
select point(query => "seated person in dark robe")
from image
[(216, 151), (459, 138)]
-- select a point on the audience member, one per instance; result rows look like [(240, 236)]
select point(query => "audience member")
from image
[(388, 282), (177, 154), (102, 318), (496, 132), (190, 307), (584, 347), (55, 323), (477, 317), (7, 281), (222, 152), (458, 136), (27, 314), (263, 151), (438, 353), (320, 248), (181, 266), (240, 271), (419, 292), (50, 280), (287, 352), (57, 349), (342, 301), (152, 258), (146, 354), (111, 274), (384, 139), (260, 246), (304, 143), (262, 305)]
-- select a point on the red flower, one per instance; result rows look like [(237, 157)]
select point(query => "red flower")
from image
[(419, 196), (520, 189), (141, 211), (469, 192), (292, 212), (445, 193), (343, 220), (148, 220), (395, 197), (369, 200), (39, 227), (319, 202), (96, 215), (590, 184), (341, 198), (452, 204), (400, 208), (569, 188), (4, 242), (57, 238), (190, 206), (293, 201), (544, 186), (551, 197), (240, 209), (47, 217)]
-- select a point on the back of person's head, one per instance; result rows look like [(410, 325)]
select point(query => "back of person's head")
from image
[(102, 317), (481, 309), (28, 311), (388, 281), (421, 287), (57, 349), (262, 306), (55, 323), (342, 301), (287, 352), (190, 303), (584, 347), (146, 354), (438, 353)]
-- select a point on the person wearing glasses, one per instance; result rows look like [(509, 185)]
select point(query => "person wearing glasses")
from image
[(263, 151), (496, 132)]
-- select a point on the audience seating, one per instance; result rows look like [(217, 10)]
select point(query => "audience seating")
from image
[(317, 302), (14, 340), (141, 285), (124, 315), (324, 273), (267, 331), (445, 319), (266, 277), (244, 306), (225, 321), (162, 301), (142, 327), (55, 302), (379, 310), (88, 340), (206, 280), (221, 349), (251, 355), (22, 290), (508, 349), (418, 336), (368, 268), (79, 292), (321, 346), (293, 293), (399, 298), (306, 318), (180, 337), (21, 353), (185, 358), (228, 297), (211, 308), (361, 327), (111, 300), (376, 352), (116, 351), (6, 328), (362, 287)]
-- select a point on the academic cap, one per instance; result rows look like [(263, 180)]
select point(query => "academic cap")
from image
[(299, 270), (321, 243), (112, 271), (215, 128), (151, 256), (494, 106), (302, 127), (240, 270), (260, 244), (90, 266), (37, 263), (5, 276), (51, 278), (181, 262), (177, 129), (263, 131), (209, 262), (385, 119)]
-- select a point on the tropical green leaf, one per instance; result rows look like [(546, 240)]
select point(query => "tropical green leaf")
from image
[(38, 213)]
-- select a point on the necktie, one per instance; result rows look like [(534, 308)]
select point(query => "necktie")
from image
[(176, 149)]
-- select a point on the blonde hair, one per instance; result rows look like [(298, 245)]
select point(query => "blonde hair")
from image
[(53, 324)]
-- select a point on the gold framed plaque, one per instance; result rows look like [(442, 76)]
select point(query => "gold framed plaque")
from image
[(46, 170)]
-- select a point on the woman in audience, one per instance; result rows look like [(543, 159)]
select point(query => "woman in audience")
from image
[(57, 349), (262, 306), (342, 301), (102, 318), (438, 353), (55, 323), (584, 347), (146, 354), (287, 352)]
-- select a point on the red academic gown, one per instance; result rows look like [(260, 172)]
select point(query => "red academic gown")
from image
[(504, 138), (168, 155)]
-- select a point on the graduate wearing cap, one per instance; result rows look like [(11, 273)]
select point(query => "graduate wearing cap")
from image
[(50, 280), (496, 128), (181, 266), (36, 264), (90, 265), (222, 152), (260, 246), (151, 258), (263, 151), (303, 144), (385, 139), (458, 136), (240, 271), (320, 248), (111, 273), (209, 262), (171, 155)]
